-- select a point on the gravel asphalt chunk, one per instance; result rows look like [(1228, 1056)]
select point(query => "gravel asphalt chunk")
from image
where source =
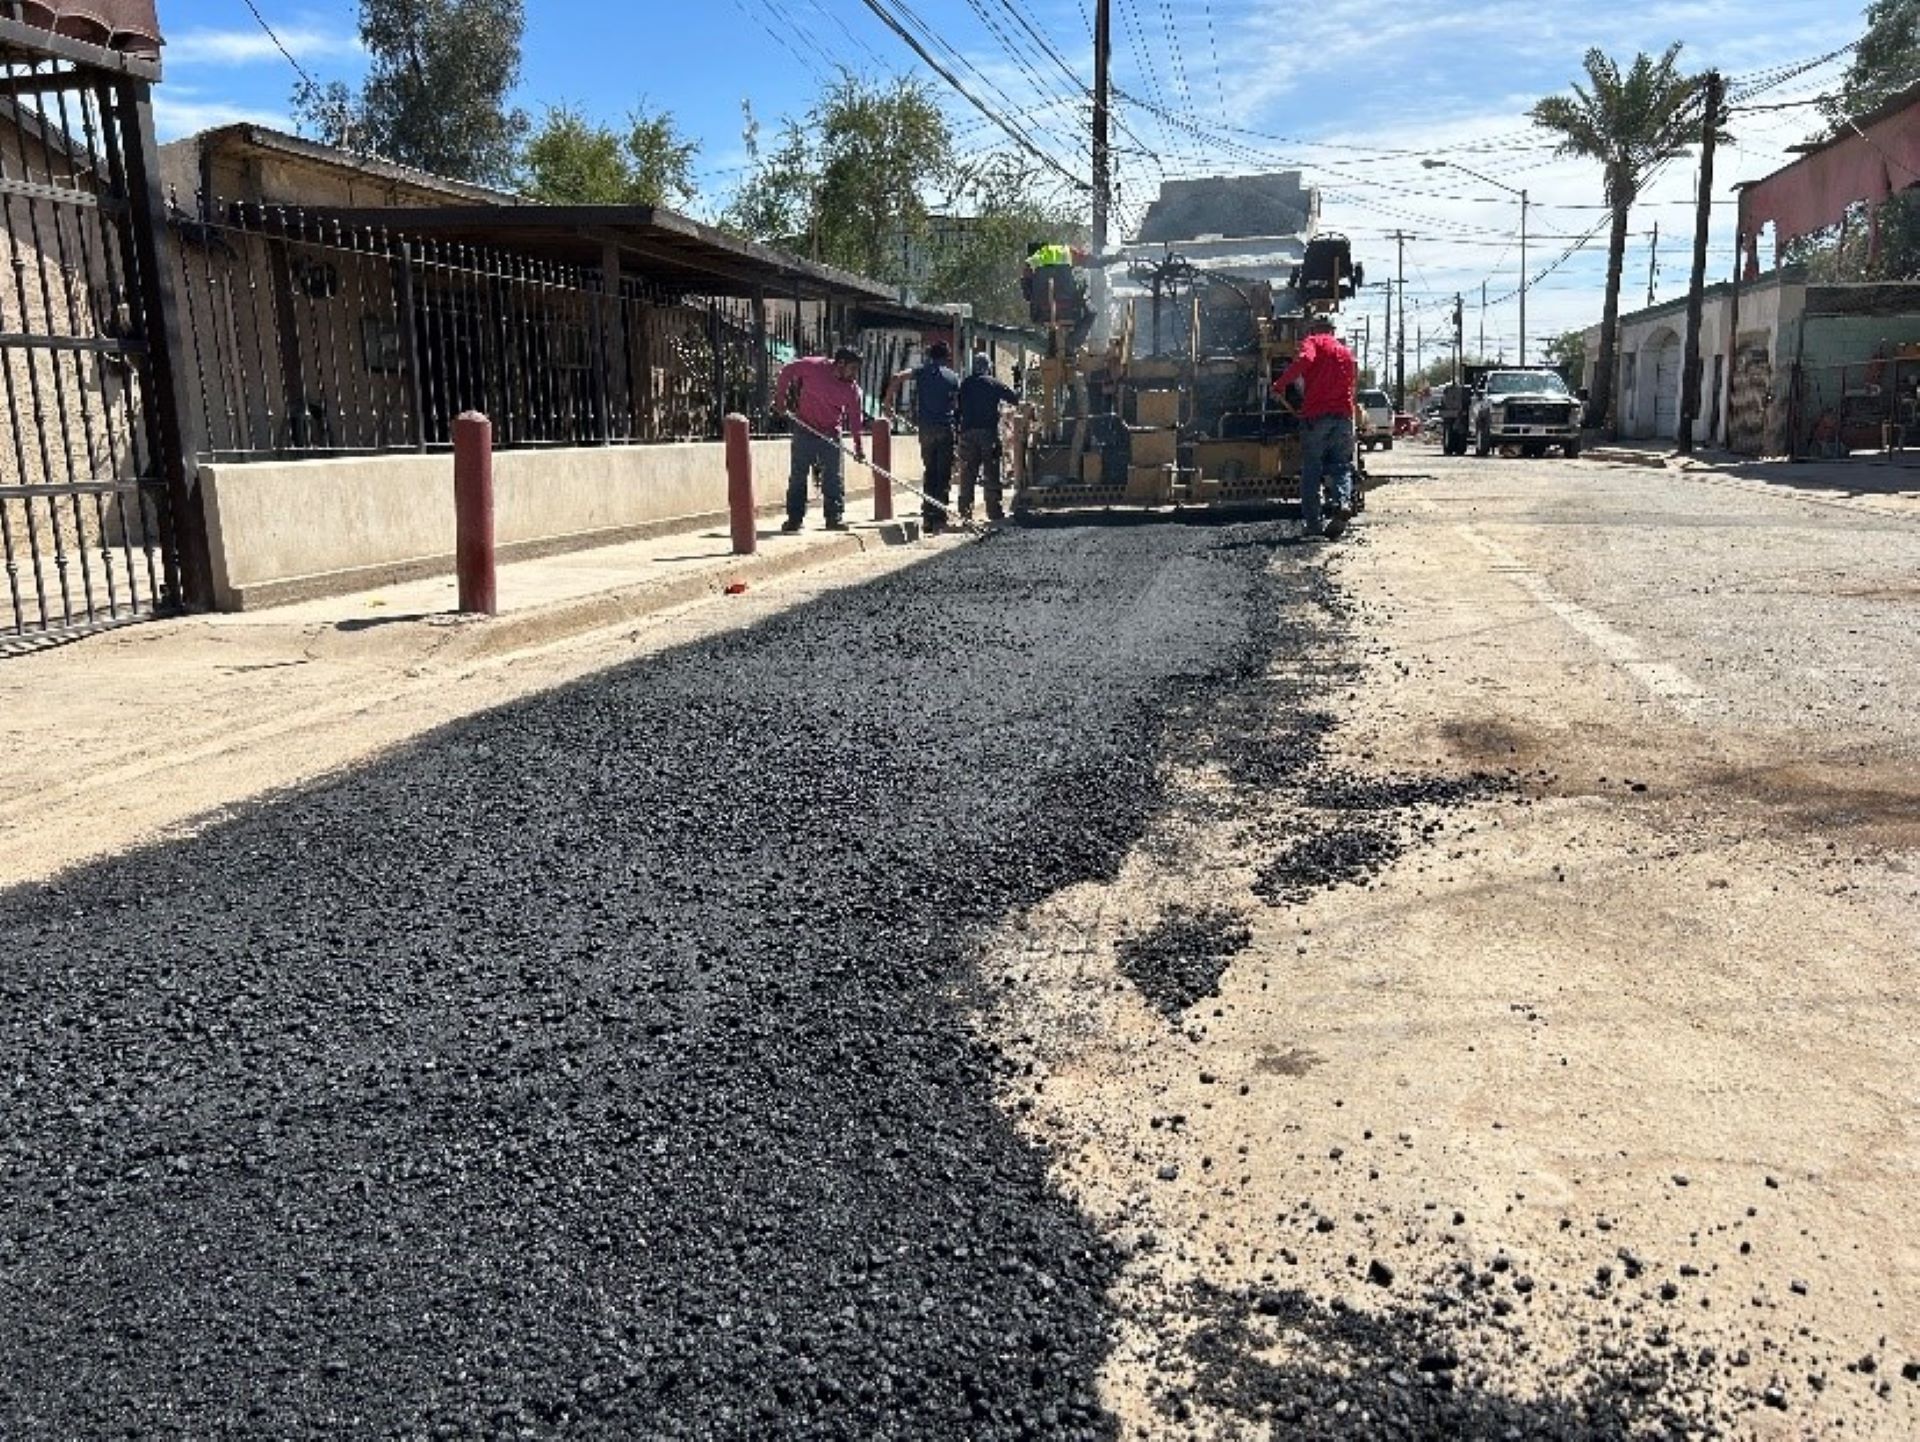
[(600, 1065)]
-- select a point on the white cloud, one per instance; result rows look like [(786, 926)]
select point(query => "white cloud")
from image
[(175, 114), (255, 46), (1440, 87)]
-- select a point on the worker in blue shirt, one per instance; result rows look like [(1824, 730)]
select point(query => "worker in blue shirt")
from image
[(936, 391), (981, 396)]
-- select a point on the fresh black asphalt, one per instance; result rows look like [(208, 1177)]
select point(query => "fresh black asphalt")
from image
[(600, 1065)]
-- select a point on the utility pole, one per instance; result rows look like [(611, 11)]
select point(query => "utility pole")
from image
[(1482, 352), (1697, 283), (1459, 333), (1653, 261), (1386, 341), (1400, 356), (1102, 160), (1523, 277)]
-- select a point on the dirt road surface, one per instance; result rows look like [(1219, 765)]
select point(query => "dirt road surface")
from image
[(1582, 1106)]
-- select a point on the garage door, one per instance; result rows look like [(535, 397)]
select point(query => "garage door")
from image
[(1666, 390)]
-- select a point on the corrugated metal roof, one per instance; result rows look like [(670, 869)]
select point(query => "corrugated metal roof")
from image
[(653, 241)]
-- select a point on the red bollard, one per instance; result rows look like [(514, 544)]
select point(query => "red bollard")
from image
[(740, 505), (882, 454), (473, 513)]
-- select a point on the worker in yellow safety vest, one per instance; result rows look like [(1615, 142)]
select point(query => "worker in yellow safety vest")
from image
[(1054, 293)]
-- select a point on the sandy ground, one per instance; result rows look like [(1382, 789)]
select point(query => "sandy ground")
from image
[(1637, 1029)]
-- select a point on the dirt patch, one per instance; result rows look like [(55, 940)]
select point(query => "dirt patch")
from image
[(1488, 741), (1294, 1061), (1856, 805), (1907, 592)]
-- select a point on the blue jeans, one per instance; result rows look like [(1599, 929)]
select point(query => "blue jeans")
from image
[(1326, 453), (810, 453)]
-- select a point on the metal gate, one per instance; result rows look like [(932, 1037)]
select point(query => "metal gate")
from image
[(90, 458), (1666, 390)]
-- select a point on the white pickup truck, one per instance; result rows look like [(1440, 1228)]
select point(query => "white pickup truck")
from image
[(1531, 409), (1377, 407)]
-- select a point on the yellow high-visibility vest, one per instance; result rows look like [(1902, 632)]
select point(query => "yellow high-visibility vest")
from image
[(1051, 255)]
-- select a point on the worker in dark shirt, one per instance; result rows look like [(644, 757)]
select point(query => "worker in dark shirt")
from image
[(981, 397), (936, 389)]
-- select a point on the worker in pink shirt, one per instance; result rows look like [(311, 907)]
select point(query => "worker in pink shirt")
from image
[(1327, 370), (826, 401)]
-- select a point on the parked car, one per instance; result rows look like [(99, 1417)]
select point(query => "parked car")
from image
[(1376, 433)]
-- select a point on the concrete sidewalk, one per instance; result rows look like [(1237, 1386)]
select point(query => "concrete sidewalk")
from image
[(557, 596), (125, 735)]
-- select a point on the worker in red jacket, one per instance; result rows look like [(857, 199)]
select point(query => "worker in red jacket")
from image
[(1327, 370)]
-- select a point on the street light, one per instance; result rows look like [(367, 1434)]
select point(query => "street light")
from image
[(1501, 185)]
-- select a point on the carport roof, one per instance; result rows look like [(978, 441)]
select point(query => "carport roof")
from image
[(654, 243)]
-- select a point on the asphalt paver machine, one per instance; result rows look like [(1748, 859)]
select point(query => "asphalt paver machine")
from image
[(1177, 408)]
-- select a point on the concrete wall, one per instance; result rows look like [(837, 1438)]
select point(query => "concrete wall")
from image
[(286, 530), (1769, 313)]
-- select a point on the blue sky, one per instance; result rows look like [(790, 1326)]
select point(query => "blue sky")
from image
[(1354, 94)]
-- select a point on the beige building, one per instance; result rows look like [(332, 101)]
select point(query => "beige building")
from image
[(1826, 367)]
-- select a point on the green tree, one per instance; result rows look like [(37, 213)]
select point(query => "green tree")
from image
[(573, 160), (1628, 121), (975, 255), (847, 184), (570, 160), (774, 203), (435, 95), (1569, 349), (660, 160), (1885, 61)]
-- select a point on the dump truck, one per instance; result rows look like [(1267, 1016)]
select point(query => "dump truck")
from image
[(1177, 409)]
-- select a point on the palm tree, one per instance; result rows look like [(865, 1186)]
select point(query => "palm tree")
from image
[(1629, 122)]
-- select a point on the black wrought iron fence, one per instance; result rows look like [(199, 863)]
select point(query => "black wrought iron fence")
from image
[(86, 528), (306, 337)]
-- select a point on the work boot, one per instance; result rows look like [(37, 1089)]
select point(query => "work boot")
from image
[(994, 513), (1337, 523), (790, 525), (836, 523)]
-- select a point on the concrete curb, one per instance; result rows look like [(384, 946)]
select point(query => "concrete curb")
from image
[(480, 637), (1626, 457)]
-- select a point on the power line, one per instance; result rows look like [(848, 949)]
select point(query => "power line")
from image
[(279, 45), (887, 18), (1213, 50), (1047, 46), (1179, 58)]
